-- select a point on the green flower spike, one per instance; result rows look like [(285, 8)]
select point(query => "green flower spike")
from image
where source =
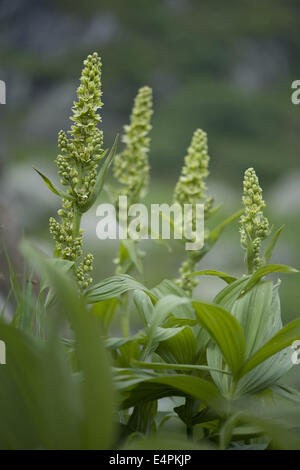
[(191, 189), (77, 165), (131, 167), (191, 186), (254, 225)]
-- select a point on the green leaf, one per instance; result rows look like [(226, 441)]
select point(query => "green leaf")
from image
[(283, 339), (115, 343), (269, 250), (128, 249), (105, 310), (48, 183), (143, 416), (278, 424), (258, 316), (217, 231), (143, 305), (167, 287), (125, 379), (209, 272), (258, 312), (164, 334), (39, 398), (100, 178), (286, 393), (161, 310), (179, 348), (96, 407), (228, 429), (175, 321), (212, 237), (226, 332), (165, 366), (227, 296), (113, 287), (264, 271), (152, 388), (129, 350), (64, 266)]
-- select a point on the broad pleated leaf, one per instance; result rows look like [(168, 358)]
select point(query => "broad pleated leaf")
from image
[(282, 339), (161, 310), (226, 332), (167, 287), (113, 287), (179, 348), (258, 312), (153, 388)]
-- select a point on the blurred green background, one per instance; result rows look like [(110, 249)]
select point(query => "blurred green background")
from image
[(226, 67)]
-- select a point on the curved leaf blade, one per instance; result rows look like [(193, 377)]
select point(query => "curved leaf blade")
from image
[(165, 366), (272, 244), (282, 339), (264, 271), (210, 272), (177, 385), (48, 183), (100, 178), (226, 332), (113, 287)]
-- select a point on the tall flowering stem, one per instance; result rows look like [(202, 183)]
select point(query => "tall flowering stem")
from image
[(131, 166), (191, 189), (254, 225), (77, 163)]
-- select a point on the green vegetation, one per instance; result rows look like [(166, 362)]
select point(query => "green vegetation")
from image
[(72, 381)]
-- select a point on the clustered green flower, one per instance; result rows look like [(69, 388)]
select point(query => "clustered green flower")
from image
[(77, 165), (191, 189), (83, 270), (67, 246), (186, 281), (254, 225), (131, 167)]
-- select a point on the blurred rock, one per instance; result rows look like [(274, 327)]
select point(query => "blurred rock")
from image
[(50, 112), (42, 27), (259, 63), (285, 194)]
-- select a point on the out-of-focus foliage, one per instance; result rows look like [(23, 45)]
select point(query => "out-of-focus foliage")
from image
[(72, 380), (226, 67)]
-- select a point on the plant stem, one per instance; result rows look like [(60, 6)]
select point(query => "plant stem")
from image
[(189, 431), (125, 316), (76, 222)]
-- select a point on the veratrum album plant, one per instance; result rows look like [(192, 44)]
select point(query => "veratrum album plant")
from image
[(71, 382)]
